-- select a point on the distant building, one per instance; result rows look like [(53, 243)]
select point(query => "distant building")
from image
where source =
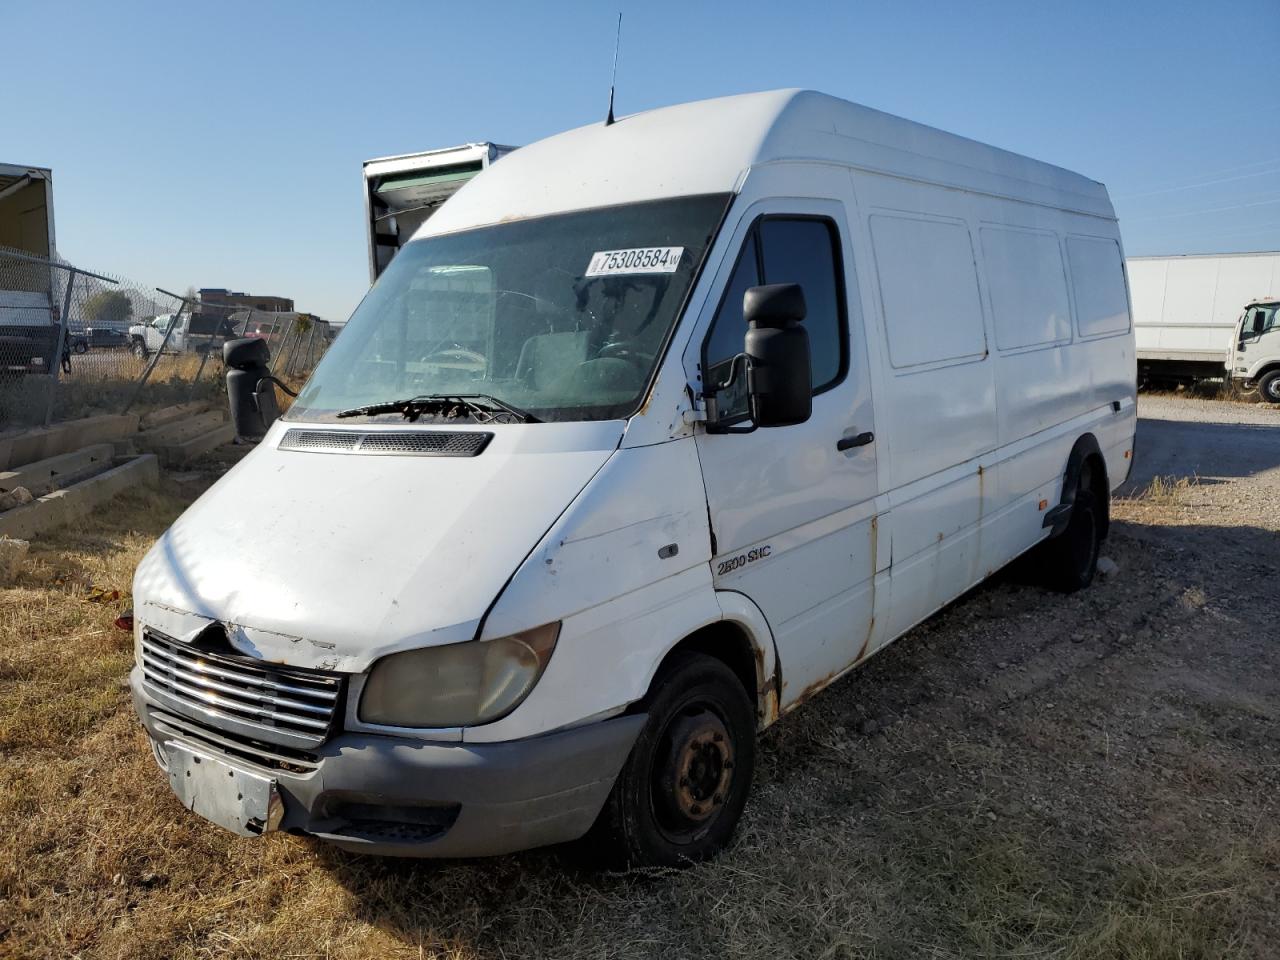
[(222, 297)]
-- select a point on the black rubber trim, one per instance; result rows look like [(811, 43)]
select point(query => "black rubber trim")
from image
[(1058, 516), (1085, 447)]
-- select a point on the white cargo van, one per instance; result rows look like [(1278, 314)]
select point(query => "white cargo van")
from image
[(652, 431)]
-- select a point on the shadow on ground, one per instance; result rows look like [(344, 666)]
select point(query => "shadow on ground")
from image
[(1026, 771)]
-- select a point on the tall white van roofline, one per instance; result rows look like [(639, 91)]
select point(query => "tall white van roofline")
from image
[(1207, 256), (708, 146)]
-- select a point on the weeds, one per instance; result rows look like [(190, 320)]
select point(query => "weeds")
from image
[(97, 859), (1168, 489)]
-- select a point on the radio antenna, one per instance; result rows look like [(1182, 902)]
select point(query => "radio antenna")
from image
[(617, 42)]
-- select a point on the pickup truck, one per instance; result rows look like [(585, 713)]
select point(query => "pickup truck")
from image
[(195, 333)]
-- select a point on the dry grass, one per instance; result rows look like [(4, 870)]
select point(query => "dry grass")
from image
[(1167, 490), (882, 847), (104, 382)]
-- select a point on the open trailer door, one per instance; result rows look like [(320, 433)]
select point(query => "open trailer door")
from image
[(400, 193), (28, 322)]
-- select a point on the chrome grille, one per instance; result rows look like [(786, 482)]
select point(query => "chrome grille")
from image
[(262, 701), (273, 757), (411, 443)]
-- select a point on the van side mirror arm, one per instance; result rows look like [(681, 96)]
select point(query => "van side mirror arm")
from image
[(710, 397)]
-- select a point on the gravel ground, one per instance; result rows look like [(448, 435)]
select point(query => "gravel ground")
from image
[(1161, 406)]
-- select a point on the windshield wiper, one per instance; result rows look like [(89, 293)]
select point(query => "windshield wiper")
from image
[(480, 406)]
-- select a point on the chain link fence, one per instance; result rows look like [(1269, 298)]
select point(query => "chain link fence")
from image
[(76, 342)]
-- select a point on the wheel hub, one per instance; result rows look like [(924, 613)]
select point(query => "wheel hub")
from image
[(695, 771)]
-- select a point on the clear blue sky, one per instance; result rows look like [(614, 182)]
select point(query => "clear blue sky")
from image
[(219, 144)]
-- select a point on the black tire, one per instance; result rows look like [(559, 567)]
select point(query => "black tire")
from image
[(1071, 558), (682, 790), (80, 346), (1269, 387), (138, 349)]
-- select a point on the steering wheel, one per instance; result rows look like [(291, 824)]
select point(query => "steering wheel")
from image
[(626, 350), (456, 354)]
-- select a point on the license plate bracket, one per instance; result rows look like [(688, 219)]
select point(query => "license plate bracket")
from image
[(239, 800)]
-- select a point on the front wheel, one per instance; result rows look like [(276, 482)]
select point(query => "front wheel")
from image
[(682, 790), (139, 349), (1269, 387)]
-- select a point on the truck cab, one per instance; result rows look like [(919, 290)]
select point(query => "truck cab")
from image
[(1254, 357), (147, 338)]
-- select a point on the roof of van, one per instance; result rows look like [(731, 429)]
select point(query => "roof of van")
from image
[(709, 145)]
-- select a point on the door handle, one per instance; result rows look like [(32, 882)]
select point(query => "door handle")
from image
[(857, 440)]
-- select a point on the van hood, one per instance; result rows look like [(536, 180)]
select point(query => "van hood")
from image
[(330, 560)]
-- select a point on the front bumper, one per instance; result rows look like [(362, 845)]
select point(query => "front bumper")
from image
[(401, 797)]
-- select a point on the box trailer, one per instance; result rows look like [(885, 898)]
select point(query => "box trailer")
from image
[(28, 315), (1187, 310), (402, 192)]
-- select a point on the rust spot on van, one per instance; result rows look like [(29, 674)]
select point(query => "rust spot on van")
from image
[(866, 644), (644, 407), (809, 692), (769, 707)]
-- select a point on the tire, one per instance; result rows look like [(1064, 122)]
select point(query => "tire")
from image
[(138, 349), (1071, 557), (682, 790), (81, 346), (1269, 387)]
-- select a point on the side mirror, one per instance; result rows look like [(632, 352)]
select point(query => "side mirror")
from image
[(250, 387), (777, 347)]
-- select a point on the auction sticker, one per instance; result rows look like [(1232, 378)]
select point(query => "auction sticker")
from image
[(606, 263)]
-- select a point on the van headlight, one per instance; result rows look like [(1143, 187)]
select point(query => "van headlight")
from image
[(457, 685)]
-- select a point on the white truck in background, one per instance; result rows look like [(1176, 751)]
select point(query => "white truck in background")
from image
[(1208, 317), (28, 314), (402, 192)]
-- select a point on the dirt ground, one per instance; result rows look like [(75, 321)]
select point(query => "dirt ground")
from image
[(1024, 775)]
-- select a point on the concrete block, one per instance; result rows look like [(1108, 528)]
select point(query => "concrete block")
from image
[(28, 446), (180, 430), (12, 553), (78, 500), (181, 452), (45, 476), (166, 415)]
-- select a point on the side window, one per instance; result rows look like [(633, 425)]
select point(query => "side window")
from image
[(1028, 287), (804, 252), (728, 328), (929, 290), (783, 250), (1097, 280), (1261, 319)]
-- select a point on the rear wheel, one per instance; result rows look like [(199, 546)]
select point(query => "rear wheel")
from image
[(1071, 558), (1269, 387), (682, 790)]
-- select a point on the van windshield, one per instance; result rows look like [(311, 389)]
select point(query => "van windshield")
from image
[(564, 316)]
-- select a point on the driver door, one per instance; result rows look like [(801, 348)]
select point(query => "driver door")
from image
[(792, 508)]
